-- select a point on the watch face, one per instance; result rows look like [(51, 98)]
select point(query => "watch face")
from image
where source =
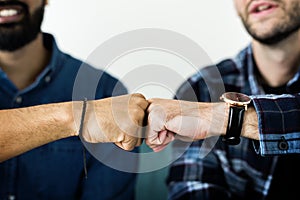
[(236, 98)]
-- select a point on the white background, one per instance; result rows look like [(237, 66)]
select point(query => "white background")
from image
[(80, 26)]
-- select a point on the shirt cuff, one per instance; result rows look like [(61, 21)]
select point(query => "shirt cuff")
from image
[(278, 123)]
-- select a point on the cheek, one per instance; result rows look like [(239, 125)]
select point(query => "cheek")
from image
[(34, 4), (240, 6), (241, 9)]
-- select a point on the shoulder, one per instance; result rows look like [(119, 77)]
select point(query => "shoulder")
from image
[(69, 62), (208, 81), (87, 75), (221, 69)]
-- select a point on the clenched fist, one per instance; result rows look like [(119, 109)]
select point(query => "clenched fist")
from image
[(116, 119), (188, 121)]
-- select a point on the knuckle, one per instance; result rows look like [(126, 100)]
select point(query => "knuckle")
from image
[(138, 95)]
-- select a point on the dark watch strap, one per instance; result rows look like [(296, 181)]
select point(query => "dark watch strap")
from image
[(234, 127)]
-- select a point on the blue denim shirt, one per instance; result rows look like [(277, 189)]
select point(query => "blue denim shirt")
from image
[(55, 171)]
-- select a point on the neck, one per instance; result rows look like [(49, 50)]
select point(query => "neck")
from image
[(278, 63), (24, 65)]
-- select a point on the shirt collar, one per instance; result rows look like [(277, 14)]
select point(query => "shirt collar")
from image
[(54, 64), (245, 60)]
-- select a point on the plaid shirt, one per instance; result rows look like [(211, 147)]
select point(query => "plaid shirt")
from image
[(209, 169)]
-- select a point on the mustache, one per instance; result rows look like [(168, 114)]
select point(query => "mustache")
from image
[(23, 5)]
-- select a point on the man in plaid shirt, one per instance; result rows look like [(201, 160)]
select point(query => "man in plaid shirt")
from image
[(264, 165)]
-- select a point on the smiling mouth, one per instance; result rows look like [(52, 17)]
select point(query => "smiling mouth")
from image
[(12, 11), (262, 8), (10, 15), (8, 12)]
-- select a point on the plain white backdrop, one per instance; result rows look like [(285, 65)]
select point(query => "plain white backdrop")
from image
[(80, 26)]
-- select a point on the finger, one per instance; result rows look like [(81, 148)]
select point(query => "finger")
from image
[(125, 146), (167, 138), (151, 135), (153, 104), (119, 145), (151, 100), (161, 136), (156, 120), (138, 112), (140, 100), (149, 144), (154, 139), (159, 148), (163, 139), (132, 141), (129, 143)]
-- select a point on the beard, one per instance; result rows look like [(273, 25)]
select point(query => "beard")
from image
[(16, 35), (281, 31)]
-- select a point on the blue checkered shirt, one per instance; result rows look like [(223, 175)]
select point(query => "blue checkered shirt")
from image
[(210, 169)]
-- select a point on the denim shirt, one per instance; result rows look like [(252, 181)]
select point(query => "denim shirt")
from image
[(55, 170)]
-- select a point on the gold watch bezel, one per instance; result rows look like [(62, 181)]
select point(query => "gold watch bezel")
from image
[(236, 99)]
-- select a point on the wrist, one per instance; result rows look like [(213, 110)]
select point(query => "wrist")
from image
[(217, 117), (57, 119), (237, 104), (74, 120), (250, 125), (66, 118)]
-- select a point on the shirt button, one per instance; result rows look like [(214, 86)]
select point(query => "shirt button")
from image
[(47, 79), (18, 100), (11, 197), (282, 144)]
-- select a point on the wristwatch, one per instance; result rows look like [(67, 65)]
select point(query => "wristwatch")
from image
[(237, 103)]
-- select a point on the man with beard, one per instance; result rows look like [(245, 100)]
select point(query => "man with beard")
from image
[(36, 90), (264, 163)]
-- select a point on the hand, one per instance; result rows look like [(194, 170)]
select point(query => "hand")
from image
[(115, 119), (189, 121)]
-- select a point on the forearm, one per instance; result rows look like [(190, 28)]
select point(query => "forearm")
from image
[(26, 128)]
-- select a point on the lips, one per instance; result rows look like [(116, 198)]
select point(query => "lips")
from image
[(261, 6), (11, 12)]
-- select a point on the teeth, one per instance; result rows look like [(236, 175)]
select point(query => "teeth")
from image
[(8, 12), (264, 7)]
